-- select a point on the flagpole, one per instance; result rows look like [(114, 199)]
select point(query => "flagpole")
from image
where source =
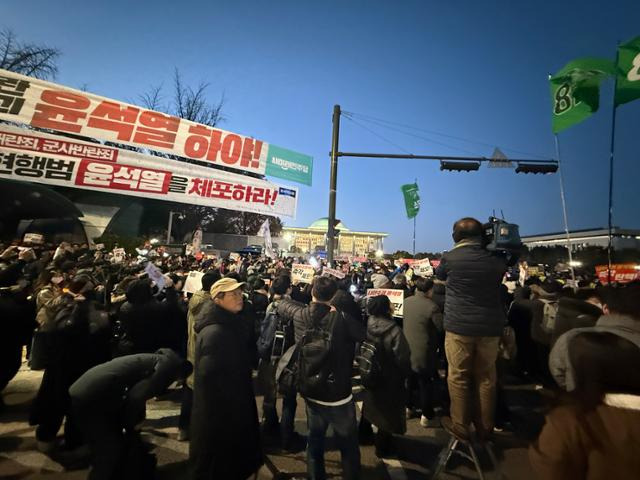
[(414, 227), (611, 155), (564, 211)]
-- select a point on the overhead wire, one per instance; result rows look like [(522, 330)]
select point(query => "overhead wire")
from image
[(377, 135), (372, 119), (427, 139)]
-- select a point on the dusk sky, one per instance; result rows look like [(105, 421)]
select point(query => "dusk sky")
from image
[(466, 75)]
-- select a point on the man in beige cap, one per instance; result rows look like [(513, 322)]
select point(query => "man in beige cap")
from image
[(225, 432)]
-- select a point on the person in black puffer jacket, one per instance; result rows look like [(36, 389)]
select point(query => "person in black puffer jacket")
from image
[(144, 319)]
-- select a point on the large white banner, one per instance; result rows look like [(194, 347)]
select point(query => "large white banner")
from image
[(47, 105), (38, 157)]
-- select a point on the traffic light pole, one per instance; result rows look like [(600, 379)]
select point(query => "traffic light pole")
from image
[(333, 185), (472, 163)]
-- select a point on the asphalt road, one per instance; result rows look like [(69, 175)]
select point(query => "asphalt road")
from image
[(418, 449)]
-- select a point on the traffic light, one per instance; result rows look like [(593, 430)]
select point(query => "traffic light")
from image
[(459, 166), (537, 168)]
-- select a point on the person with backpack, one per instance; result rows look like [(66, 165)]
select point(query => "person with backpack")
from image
[(277, 336), (325, 344), (390, 360)]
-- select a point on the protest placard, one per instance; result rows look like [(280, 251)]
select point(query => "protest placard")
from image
[(395, 296), (422, 268), (119, 255), (331, 271), (301, 273), (193, 283), (33, 238), (155, 274)]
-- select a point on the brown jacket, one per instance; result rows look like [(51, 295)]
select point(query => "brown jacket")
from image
[(601, 444)]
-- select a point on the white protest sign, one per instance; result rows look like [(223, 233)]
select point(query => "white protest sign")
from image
[(422, 268), (155, 274), (33, 238), (395, 296), (194, 282), (118, 255), (334, 272), (301, 273)]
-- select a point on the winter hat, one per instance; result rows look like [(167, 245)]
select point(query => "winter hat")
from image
[(225, 285), (399, 279), (379, 280)]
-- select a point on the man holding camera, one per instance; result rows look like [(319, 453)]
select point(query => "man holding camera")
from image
[(473, 320)]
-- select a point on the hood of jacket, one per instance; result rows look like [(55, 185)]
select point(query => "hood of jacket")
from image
[(379, 326), (198, 301), (317, 311), (217, 315)]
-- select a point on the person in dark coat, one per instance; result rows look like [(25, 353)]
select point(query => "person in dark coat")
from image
[(144, 320), (225, 432), (420, 315), (109, 404), (384, 405)]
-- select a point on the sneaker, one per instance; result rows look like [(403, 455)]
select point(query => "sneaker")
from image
[(183, 435), (453, 429), (425, 421)]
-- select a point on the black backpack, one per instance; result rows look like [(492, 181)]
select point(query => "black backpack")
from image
[(276, 337), (368, 361), (314, 351)]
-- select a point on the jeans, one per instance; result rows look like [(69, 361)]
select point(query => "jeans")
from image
[(472, 380), (342, 419)]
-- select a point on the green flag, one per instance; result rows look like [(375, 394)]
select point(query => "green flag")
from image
[(628, 81), (411, 199), (575, 91)]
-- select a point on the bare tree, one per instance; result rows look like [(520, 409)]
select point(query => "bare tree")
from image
[(193, 105), (28, 59)]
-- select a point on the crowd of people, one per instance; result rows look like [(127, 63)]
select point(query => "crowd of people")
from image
[(109, 338)]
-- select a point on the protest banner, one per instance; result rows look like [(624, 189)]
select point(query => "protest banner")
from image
[(422, 268), (193, 283), (119, 255), (33, 238), (395, 296), (42, 158), (301, 273), (435, 263), (620, 273), (331, 271), (43, 104), (48, 159), (155, 274)]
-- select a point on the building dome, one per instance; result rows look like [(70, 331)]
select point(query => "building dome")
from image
[(323, 224)]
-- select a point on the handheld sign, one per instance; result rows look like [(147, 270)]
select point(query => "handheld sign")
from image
[(423, 268), (118, 255), (301, 273), (331, 271), (395, 296), (35, 238), (194, 282), (155, 274)]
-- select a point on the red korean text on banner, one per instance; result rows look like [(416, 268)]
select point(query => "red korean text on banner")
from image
[(620, 273), (122, 177)]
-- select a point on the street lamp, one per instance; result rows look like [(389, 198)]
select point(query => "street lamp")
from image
[(171, 213)]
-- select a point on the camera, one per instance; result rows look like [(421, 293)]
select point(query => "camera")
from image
[(499, 235)]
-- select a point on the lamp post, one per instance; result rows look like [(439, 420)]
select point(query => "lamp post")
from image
[(171, 213)]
